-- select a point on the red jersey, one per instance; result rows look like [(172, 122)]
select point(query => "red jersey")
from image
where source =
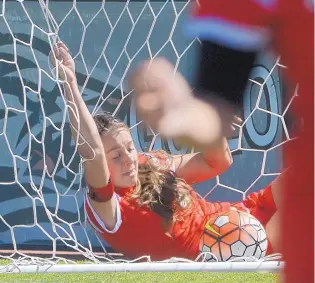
[(139, 231)]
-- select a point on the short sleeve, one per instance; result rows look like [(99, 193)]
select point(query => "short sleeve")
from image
[(241, 25), (96, 222)]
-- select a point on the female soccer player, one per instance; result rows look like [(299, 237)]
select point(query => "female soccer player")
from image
[(143, 204)]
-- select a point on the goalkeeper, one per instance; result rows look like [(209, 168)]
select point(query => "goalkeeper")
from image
[(143, 204), (232, 34)]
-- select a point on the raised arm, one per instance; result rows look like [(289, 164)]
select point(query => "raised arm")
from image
[(86, 136), (206, 164), (210, 162)]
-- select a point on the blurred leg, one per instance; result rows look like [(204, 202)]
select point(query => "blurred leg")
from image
[(273, 232), (298, 209)]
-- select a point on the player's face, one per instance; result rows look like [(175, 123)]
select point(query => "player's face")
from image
[(122, 157)]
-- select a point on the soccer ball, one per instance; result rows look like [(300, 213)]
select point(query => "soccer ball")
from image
[(233, 234)]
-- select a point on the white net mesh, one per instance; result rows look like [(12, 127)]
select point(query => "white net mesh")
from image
[(41, 185)]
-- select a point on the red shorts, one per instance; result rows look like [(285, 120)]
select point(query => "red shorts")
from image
[(262, 206)]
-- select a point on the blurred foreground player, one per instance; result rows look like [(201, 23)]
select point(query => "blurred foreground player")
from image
[(232, 33)]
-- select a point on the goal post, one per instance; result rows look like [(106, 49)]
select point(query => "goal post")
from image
[(41, 184)]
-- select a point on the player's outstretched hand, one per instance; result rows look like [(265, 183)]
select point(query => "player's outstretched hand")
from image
[(164, 101)]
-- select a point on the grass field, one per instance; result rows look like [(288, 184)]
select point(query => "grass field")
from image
[(140, 277), (181, 277)]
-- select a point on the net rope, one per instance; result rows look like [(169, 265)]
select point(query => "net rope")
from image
[(44, 182)]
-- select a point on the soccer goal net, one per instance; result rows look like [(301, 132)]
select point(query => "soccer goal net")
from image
[(42, 217)]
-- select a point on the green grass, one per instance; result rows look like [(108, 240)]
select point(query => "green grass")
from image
[(174, 277), (140, 277)]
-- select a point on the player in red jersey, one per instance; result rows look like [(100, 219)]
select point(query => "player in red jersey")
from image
[(144, 205), (232, 34), (149, 230), (157, 211)]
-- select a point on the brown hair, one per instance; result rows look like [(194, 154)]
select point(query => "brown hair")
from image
[(157, 187)]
